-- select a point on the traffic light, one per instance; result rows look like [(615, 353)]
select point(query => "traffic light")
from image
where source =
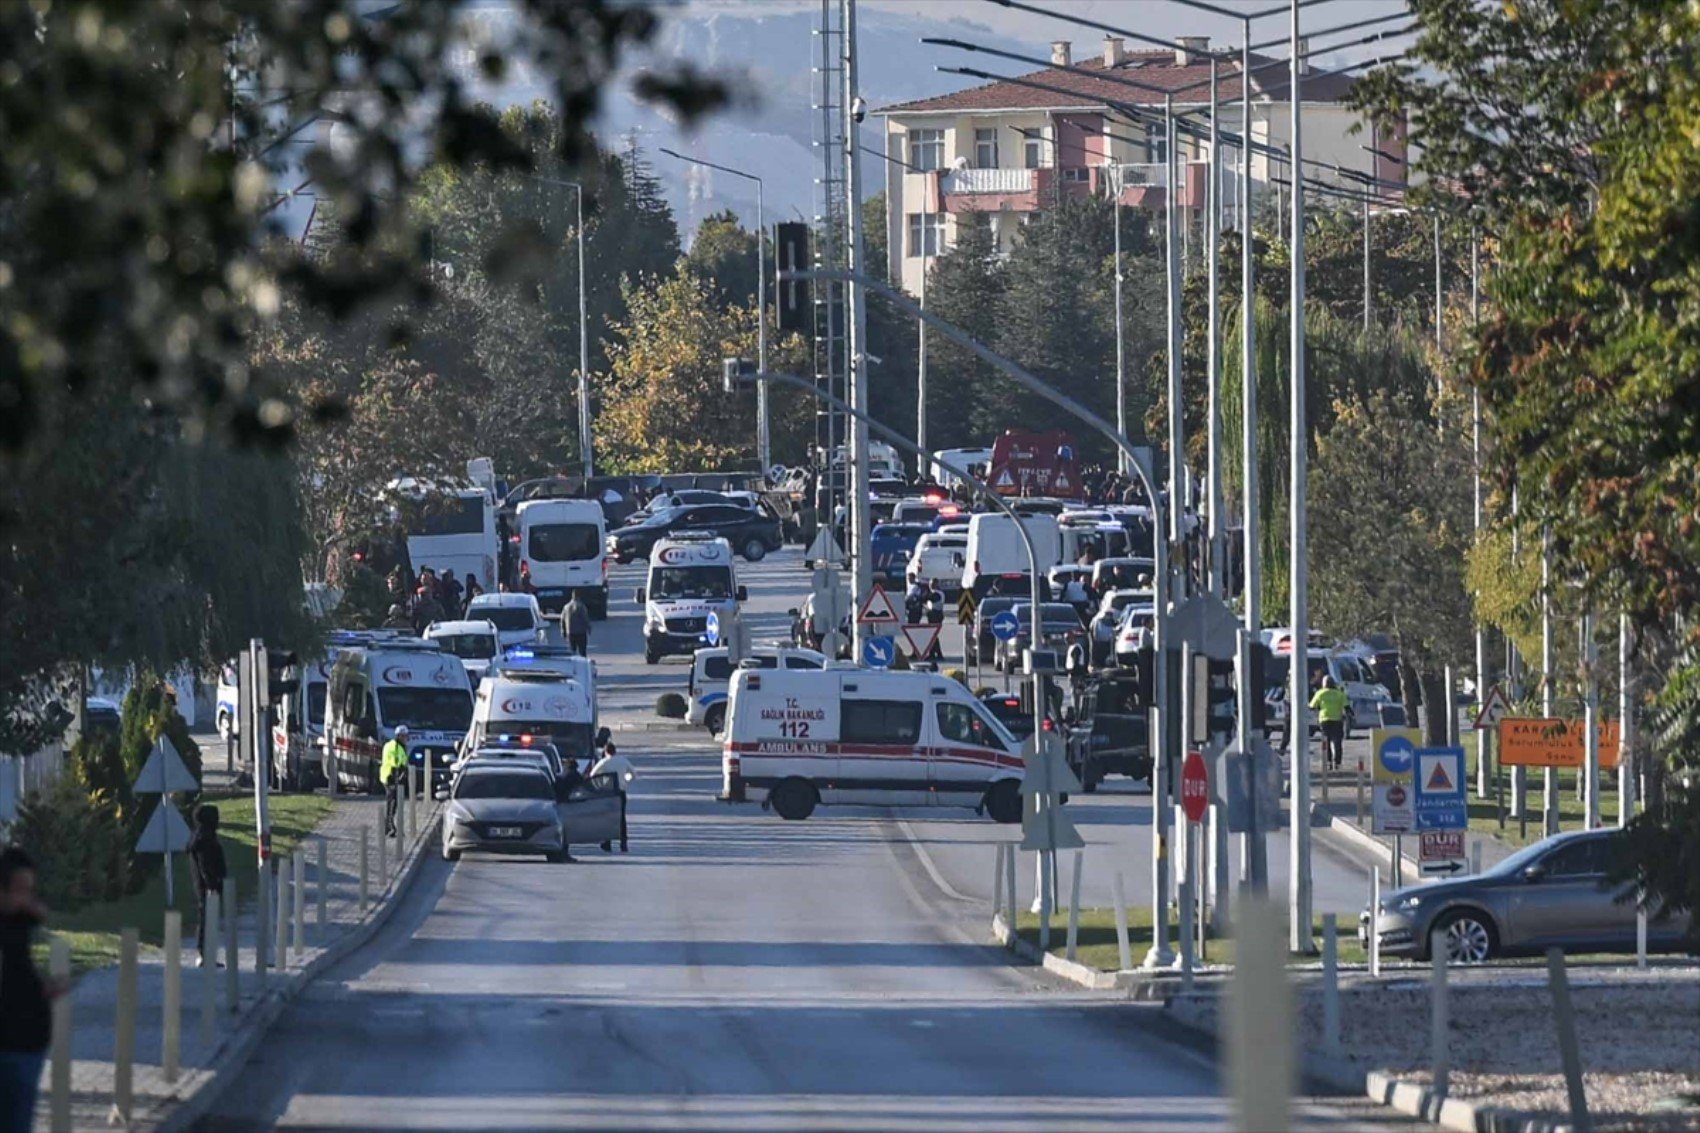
[(1213, 697), (795, 299)]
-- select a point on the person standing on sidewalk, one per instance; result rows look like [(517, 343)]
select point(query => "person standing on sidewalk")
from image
[(26, 1013), (575, 625), (392, 769), (1329, 704), (206, 863)]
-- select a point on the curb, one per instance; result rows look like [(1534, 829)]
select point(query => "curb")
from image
[(1421, 1102), (1363, 843), (186, 1111), (655, 726), (1141, 986)]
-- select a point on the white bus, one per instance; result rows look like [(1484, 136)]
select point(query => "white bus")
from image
[(448, 527)]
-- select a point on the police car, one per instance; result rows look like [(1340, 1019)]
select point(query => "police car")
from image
[(691, 575), (711, 677)]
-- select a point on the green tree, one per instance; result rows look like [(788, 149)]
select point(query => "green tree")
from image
[(724, 253), (965, 289)]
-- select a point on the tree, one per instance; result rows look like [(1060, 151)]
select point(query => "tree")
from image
[(1390, 523), (965, 289), (724, 254)]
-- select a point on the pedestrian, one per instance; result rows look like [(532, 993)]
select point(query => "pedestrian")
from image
[(1329, 704), (525, 583), (427, 608), (206, 866), (26, 1013), (575, 625), (473, 590), (392, 770), (398, 618), (449, 594), (617, 765)]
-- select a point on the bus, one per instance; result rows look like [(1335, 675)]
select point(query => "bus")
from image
[(449, 527)]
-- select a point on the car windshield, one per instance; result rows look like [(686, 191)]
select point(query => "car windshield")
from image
[(468, 646), (504, 785), (662, 516), (505, 617), (564, 543), (426, 709), (1060, 612), (691, 582)]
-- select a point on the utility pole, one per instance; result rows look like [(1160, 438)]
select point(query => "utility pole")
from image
[(1213, 371), (583, 348), (1625, 725), (1171, 252), (1484, 781), (1590, 723), (1549, 782), (861, 565), (1121, 347), (1298, 581), (1366, 266), (1255, 856)]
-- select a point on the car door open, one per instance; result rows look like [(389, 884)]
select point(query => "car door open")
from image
[(591, 813)]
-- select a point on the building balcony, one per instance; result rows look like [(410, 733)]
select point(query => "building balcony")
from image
[(991, 190)]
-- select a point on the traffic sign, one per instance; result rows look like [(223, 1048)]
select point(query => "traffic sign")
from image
[(1493, 710), (164, 772), (1195, 787), (1044, 824), (878, 652), (878, 609), (1392, 794), (165, 833), (711, 630), (1438, 801), (1553, 743), (1005, 625), (965, 607), (922, 638), (1441, 853)]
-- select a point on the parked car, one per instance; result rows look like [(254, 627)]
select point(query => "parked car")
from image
[(1108, 619), (1059, 623), (980, 644), (1111, 732), (1553, 894), (750, 533)]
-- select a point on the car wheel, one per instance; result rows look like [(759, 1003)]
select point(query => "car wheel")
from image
[(1003, 802), (450, 855), (754, 549), (556, 858), (715, 719), (794, 799), (1469, 936)]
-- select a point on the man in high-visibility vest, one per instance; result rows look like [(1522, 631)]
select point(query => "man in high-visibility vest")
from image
[(1329, 704), (392, 770)]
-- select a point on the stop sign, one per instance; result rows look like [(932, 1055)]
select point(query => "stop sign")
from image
[(1195, 787)]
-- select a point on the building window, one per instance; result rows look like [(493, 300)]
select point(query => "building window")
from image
[(1076, 173), (926, 233), (1033, 152), (926, 149), (986, 148)]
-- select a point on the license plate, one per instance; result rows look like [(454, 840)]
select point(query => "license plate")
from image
[(504, 832), (551, 592)]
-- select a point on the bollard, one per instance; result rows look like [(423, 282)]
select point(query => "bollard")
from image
[(1330, 984), (210, 927), (1374, 918), (171, 1021), (1186, 938), (321, 879), (1047, 903), (1440, 1049), (263, 922), (1009, 885), (1124, 953), (59, 1080), (232, 953), (365, 868), (1476, 858), (1259, 1041), (1564, 1016), (1640, 935), (412, 811), (1074, 905), (1360, 792), (298, 887), (383, 857), (124, 1030), (280, 916), (997, 879)]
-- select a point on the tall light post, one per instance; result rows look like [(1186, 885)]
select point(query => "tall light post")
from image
[(583, 331), (856, 321), (764, 435)]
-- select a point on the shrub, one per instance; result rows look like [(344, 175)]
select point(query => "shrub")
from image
[(670, 706), (78, 843)]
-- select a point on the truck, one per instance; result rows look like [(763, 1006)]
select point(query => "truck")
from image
[(1035, 464)]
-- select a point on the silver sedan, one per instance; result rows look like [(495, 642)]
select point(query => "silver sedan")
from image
[(502, 807), (1555, 893)]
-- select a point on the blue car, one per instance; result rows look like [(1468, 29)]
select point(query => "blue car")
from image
[(891, 545)]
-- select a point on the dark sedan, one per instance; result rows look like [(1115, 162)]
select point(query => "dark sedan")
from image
[(751, 533)]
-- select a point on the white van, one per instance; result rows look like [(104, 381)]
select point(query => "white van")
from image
[(562, 543), (963, 458), (518, 618), (388, 682), (298, 735), (795, 740), (939, 557), (711, 677), (691, 575), (997, 552), (547, 703), (1094, 532), (476, 643)]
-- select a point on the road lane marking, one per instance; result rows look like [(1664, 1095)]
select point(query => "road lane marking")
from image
[(927, 863)]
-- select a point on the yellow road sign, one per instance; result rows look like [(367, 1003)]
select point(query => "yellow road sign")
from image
[(965, 607)]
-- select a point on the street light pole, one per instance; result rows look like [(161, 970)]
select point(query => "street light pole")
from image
[(1171, 255), (1298, 581), (1213, 372), (1256, 851), (861, 563), (764, 430)]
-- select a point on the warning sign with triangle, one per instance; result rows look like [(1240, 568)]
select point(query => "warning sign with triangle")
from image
[(878, 609), (1062, 482), (1494, 709), (1004, 480), (166, 832), (1439, 782)]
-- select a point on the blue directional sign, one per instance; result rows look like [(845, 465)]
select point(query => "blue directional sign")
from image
[(1005, 625), (879, 652), (712, 629), (1438, 798)]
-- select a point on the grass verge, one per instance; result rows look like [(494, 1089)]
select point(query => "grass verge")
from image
[(1098, 948), (93, 930)]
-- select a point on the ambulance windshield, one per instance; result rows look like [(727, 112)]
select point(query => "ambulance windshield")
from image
[(691, 582)]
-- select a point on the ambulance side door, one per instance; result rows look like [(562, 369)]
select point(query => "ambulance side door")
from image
[(881, 753)]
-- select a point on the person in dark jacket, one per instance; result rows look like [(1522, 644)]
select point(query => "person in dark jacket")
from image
[(206, 863), (26, 1013), (575, 625)]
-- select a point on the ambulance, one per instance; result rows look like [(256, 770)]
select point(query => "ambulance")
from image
[(298, 733), (691, 575), (554, 702), (796, 740), (389, 681)]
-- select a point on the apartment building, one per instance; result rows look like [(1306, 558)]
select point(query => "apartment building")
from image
[(1008, 149)]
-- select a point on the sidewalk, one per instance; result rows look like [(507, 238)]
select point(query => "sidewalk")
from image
[(94, 1000)]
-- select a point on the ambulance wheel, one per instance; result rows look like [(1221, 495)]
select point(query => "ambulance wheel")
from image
[(794, 800), (715, 718), (1003, 802)]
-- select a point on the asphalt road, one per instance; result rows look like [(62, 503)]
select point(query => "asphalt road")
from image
[(733, 972)]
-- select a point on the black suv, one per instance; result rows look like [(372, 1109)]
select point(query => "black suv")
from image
[(751, 533)]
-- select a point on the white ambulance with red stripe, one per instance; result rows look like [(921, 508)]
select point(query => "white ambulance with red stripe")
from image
[(797, 739)]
